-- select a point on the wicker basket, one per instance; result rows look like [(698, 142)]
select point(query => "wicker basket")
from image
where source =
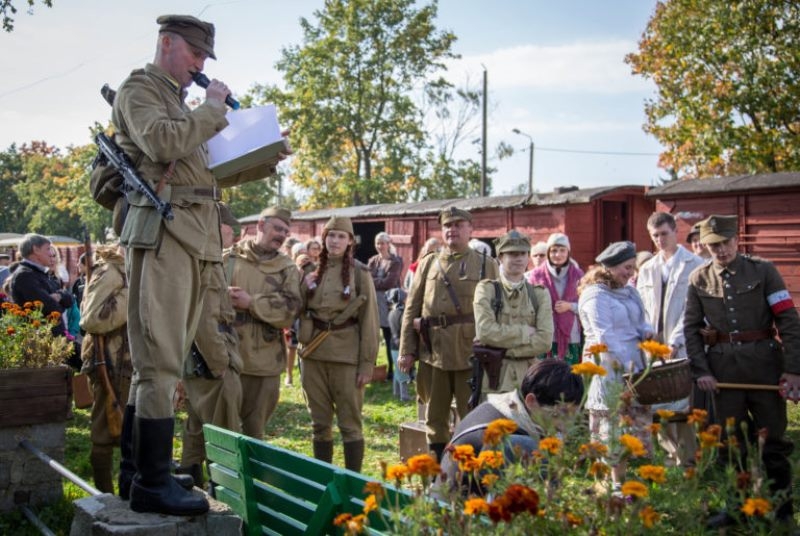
[(666, 382)]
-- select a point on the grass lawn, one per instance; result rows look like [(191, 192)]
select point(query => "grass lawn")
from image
[(290, 427)]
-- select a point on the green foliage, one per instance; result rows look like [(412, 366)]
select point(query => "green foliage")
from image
[(12, 210), (727, 100), (8, 11)]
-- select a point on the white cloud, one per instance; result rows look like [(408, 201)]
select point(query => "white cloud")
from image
[(586, 67)]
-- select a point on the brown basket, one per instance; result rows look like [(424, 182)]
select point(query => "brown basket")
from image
[(667, 382)]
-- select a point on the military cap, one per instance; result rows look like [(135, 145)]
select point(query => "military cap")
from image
[(617, 253), (539, 248), (512, 241), (695, 230), (558, 239), (226, 216), (452, 214), (340, 223), (279, 212), (197, 33), (718, 229)]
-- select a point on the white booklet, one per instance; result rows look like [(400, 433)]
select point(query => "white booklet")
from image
[(251, 138)]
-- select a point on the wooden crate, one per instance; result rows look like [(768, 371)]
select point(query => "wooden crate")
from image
[(34, 396)]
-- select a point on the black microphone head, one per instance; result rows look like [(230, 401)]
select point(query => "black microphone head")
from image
[(200, 79)]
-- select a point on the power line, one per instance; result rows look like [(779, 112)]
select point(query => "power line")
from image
[(581, 151)]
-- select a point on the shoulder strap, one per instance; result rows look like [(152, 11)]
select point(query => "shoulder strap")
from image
[(497, 301), (229, 267), (532, 296), (450, 290)]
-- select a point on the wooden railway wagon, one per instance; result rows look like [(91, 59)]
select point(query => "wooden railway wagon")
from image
[(768, 207), (591, 218)]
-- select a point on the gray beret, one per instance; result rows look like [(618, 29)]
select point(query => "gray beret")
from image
[(617, 253)]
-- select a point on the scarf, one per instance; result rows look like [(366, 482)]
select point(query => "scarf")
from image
[(563, 321)]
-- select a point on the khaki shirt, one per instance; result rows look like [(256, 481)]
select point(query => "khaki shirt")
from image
[(356, 344), (510, 328), (104, 311), (429, 297), (274, 285), (154, 127), (216, 339), (735, 298)]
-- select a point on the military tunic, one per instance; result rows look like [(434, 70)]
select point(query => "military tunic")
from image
[(509, 329), (274, 285), (748, 295), (445, 367), (167, 262), (329, 373)]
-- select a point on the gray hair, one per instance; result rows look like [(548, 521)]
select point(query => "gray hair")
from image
[(30, 241)]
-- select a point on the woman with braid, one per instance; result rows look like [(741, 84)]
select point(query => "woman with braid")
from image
[(338, 343)]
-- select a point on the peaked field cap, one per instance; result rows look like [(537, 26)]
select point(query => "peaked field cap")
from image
[(716, 229), (695, 230), (452, 214), (558, 239), (512, 241), (226, 216), (196, 32), (617, 253), (277, 211), (340, 223)]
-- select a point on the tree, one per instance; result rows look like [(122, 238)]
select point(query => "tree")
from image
[(12, 210), (349, 98), (728, 101), (7, 10)]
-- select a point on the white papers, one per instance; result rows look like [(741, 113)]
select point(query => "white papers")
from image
[(248, 130)]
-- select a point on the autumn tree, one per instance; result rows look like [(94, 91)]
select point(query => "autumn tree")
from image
[(8, 11), (348, 96), (12, 210), (728, 99)]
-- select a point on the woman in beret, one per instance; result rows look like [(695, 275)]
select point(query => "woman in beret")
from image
[(612, 315)]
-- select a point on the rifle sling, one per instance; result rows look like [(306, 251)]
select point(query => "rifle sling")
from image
[(450, 290)]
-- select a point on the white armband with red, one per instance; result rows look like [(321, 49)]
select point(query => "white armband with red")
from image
[(780, 301)]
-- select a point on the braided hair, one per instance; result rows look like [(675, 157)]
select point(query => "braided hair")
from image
[(347, 264)]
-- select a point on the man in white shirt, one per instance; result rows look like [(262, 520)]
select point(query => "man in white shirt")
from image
[(663, 282)]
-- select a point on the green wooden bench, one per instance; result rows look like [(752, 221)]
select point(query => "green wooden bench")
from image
[(277, 491)]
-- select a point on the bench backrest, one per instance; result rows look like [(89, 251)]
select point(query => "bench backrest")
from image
[(277, 491)]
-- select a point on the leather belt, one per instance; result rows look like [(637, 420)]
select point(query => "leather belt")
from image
[(445, 320), (746, 336), (325, 326), (211, 192)]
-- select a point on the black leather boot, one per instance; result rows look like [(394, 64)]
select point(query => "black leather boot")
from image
[(354, 455), (323, 450), (127, 464), (154, 489), (195, 471), (437, 449)]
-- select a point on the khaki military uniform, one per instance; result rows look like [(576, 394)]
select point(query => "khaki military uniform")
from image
[(211, 380), (274, 284), (445, 367), (168, 262), (330, 371), (746, 300), (104, 313), (509, 329)]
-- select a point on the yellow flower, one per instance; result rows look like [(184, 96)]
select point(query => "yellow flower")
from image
[(655, 428), (370, 504), (572, 520), (653, 473), (596, 349), (497, 430), (649, 516), (491, 458), (697, 416), (599, 470), (634, 489), (423, 465), (588, 369), (709, 440), (655, 349), (632, 444), (593, 450), (756, 507), (689, 473), (355, 525), (489, 480), (551, 445), (665, 414), (462, 452), (475, 506), (397, 472), (341, 519), (375, 488)]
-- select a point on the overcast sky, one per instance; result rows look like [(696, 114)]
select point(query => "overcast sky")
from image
[(555, 71)]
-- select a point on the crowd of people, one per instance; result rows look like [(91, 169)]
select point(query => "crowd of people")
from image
[(178, 307)]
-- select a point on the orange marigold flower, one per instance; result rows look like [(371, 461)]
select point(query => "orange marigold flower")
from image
[(573, 520), (370, 504), (655, 428), (756, 507), (709, 440), (632, 444), (491, 458), (649, 516), (599, 470), (28, 305), (551, 445), (475, 506), (498, 510), (497, 430), (665, 414), (596, 349), (54, 317), (341, 519), (698, 415), (632, 488), (588, 368), (10, 330), (355, 525), (730, 425), (462, 452), (470, 465), (653, 473), (743, 480), (375, 488), (489, 480), (655, 349), (423, 465), (38, 303), (397, 472), (593, 450), (521, 499), (7, 305), (689, 473), (626, 420)]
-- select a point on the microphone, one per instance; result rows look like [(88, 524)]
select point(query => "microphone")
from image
[(202, 80)]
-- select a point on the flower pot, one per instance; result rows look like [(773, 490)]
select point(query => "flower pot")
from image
[(34, 395)]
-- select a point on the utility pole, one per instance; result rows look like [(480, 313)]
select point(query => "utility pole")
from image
[(483, 135), (530, 158)]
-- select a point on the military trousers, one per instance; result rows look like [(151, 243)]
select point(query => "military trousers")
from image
[(260, 396), (165, 299), (330, 388), (209, 401), (437, 388)]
